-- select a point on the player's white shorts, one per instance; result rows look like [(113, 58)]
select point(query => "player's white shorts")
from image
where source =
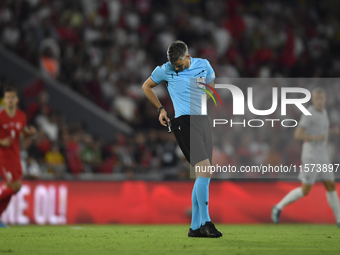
[(316, 168)]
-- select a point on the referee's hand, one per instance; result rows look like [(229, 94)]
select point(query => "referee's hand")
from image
[(163, 117)]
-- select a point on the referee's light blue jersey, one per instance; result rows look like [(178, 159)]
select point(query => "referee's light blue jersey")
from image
[(183, 87)]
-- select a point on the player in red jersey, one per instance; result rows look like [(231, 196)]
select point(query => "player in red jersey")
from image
[(12, 127)]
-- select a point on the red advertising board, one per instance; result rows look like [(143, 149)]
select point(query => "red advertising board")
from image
[(139, 202)]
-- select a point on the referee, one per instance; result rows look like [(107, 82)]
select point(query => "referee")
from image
[(184, 76)]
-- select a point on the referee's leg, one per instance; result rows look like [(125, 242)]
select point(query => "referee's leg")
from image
[(195, 140), (202, 193), (201, 157)]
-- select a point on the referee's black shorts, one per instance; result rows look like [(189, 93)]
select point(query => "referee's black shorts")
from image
[(194, 136)]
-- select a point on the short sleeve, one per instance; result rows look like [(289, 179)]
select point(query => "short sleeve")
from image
[(158, 75), (305, 121), (210, 73)]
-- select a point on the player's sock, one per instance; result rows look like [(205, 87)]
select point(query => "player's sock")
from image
[(5, 197), (196, 216), (333, 200), (292, 196), (202, 192)]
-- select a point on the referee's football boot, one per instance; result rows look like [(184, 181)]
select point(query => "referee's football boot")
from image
[(195, 233), (276, 214), (209, 230)]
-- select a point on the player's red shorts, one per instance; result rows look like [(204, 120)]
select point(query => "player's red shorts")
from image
[(10, 172)]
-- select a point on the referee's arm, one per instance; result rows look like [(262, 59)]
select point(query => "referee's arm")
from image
[(151, 95)]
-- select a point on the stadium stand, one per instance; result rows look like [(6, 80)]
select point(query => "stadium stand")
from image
[(105, 49)]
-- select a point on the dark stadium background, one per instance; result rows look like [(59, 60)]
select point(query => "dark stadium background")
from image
[(79, 67)]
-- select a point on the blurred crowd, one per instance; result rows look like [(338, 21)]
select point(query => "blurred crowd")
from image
[(106, 49), (61, 148), (244, 144)]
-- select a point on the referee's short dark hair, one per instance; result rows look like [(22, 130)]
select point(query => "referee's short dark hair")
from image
[(177, 50), (10, 89)]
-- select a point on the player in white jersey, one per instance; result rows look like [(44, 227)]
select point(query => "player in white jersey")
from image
[(313, 130)]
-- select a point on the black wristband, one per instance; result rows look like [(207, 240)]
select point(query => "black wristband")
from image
[(160, 108)]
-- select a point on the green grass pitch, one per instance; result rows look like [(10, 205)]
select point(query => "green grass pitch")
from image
[(169, 239)]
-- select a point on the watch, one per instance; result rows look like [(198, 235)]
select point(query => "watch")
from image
[(160, 108)]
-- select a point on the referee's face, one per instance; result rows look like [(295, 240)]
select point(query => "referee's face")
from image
[(180, 65)]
